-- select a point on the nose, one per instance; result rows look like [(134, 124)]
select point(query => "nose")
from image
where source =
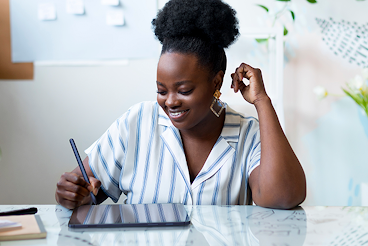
[(172, 101)]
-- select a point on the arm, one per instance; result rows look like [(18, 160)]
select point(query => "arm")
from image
[(279, 180), (73, 191)]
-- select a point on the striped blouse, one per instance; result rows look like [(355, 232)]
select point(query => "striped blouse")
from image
[(142, 155)]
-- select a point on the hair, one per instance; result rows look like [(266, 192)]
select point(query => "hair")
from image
[(199, 27)]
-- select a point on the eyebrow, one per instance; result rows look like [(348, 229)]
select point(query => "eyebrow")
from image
[(177, 84)]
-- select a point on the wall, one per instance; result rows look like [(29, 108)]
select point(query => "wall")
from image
[(38, 117)]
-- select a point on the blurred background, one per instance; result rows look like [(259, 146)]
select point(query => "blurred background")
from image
[(55, 85)]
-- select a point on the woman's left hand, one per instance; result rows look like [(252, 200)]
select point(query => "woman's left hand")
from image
[(255, 90)]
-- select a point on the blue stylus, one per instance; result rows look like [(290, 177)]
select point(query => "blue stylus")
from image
[(81, 167)]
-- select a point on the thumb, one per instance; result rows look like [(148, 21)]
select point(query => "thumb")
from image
[(95, 185)]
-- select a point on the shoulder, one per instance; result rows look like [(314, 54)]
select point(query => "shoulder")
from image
[(234, 117), (140, 110)]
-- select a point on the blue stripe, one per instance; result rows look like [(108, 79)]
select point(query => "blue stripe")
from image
[(172, 186), (231, 137), (216, 217), (178, 166), (254, 138), (216, 189), (118, 219), (245, 139), (117, 163), (242, 116), (200, 192), (89, 213), (254, 163), (148, 214), (146, 169), (186, 196), (231, 125), (245, 173), (161, 213), (159, 173), (121, 142), (136, 215), (137, 149), (126, 144), (104, 164), (163, 117), (177, 136), (231, 178), (121, 212), (218, 160), (252, 144), (104, 215), (176, 212)]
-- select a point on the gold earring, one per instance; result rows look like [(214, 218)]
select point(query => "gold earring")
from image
[(217, 103)]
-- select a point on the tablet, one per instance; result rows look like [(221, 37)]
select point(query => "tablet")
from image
[(129, 215)]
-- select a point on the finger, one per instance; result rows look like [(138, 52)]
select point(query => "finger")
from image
[(75, 179), (73, 183), (70, 200), (73, 188), (95, 185)]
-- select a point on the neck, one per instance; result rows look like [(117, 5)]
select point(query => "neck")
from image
[(207, 130)]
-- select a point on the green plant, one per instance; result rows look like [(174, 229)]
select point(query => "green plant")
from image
[(356, 89), (285, 10)]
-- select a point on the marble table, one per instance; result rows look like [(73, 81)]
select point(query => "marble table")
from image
[(217, 225)]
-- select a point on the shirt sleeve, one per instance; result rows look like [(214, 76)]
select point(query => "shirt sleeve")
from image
[(255, 151), (106, 156)]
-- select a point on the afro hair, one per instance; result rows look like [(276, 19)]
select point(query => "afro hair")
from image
[(209, 20)]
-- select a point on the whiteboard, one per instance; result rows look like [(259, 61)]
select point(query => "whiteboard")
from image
[(82, 37)]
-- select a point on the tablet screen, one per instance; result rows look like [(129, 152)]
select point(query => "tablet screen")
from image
[(129, 215)]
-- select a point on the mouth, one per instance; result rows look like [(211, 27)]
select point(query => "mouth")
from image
[(177, 114)]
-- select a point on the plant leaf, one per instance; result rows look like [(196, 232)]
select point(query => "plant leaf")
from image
[(264, 7), (314, 1), (354, 97), (285, 31), (261, 40), (292, 15)]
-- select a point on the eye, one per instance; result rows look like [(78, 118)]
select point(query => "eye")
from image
[(186, 92), (161, 92)]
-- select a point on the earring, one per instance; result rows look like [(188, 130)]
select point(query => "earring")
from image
[(217, 103)]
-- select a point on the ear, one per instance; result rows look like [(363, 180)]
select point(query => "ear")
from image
[(218, 79)]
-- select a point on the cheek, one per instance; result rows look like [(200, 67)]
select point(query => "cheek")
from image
[(160, 101)]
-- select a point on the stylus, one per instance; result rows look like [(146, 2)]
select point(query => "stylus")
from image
[(31, 210), (80, 164)]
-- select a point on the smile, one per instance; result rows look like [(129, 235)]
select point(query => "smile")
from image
[(178, 114)]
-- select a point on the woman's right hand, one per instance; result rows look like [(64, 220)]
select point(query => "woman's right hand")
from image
[(73, 191)]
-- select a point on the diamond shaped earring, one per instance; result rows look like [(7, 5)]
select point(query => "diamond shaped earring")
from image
[(217, 105)]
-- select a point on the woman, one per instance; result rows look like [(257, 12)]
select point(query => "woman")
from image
[(188, 147)]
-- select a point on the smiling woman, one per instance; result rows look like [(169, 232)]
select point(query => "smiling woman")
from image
[(189, 147)]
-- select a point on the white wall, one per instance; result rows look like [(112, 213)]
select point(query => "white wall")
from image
[(38, 117)]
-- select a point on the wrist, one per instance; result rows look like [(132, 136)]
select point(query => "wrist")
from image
[(260, 101)]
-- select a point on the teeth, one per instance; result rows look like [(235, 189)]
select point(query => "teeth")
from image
[(177, 113)]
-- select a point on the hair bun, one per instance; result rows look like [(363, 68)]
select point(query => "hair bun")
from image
[(209, 20)]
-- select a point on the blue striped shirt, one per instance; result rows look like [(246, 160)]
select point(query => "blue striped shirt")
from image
[(142, 155)]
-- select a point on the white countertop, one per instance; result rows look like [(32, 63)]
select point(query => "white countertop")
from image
[(217, 225)]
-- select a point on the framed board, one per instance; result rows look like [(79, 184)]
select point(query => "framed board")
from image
[(86, 36), (9, 70)]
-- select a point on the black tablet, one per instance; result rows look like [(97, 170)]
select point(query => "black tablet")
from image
[(129, 215)]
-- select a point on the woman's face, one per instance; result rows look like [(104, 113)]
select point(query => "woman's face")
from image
[(185, 90)]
